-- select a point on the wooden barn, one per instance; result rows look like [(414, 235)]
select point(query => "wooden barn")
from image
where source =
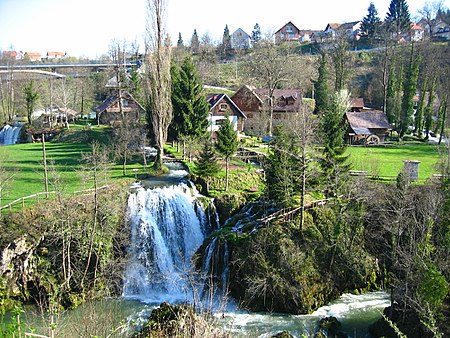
[(367, 127)]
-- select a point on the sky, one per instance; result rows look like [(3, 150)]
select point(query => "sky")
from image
[(89, 27)]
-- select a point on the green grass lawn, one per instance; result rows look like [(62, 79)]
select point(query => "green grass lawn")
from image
[(387, 161), (25, 162)]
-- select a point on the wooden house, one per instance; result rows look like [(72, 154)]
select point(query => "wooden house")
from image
[(367, 127), (221, 106), (108, 112), (255, 103), (289, 32)]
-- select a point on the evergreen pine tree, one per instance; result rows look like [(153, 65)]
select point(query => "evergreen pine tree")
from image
[(407, 108), (398, 17), (371, 23), (195, 43), (190, 109), (256, 34), (282, 171), (207, 164), (321, 87), (226, 43), (226, 143), (333, 128), (180, 43)]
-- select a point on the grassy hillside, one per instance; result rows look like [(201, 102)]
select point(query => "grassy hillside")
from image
[(64, 159)]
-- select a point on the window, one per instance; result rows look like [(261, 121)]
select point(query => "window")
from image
[(223, 106), (289, 29)]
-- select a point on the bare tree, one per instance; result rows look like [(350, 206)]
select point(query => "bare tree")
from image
[(269, 69), (157, 80), (64, 95), (7, 94), (304, 127), (429, 12)]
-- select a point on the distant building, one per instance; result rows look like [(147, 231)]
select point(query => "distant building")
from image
[(416, 32), (55, 55), (289, 32), (240, 39), (351, 30), (33, 56)]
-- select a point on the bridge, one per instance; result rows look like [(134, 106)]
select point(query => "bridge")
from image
[(48, 70)]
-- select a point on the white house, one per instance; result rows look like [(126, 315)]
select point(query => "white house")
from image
[(240, 39)]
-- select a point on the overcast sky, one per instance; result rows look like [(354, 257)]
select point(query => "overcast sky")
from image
[(87, 27)]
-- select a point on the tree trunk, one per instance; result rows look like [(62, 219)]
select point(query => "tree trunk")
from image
[(226, 174)]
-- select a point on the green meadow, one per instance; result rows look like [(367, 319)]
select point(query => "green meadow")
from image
[(64, 159), (386, 162)]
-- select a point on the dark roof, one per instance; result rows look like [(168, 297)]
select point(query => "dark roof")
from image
[(333, 25), (215, 99), (348, 25), (362, 121), (278, 94), (356, 102), (110, 100), (289, 23)]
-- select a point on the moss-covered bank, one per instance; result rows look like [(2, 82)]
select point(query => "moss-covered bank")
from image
[(65, 251), (279, 267)]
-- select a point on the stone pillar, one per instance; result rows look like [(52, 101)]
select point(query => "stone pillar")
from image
[(411, 168)]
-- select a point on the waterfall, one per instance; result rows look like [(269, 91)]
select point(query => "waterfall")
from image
[(10, 134), (168, 225)]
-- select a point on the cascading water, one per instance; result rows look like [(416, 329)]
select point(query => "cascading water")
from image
[(168, 225), (10, 134)]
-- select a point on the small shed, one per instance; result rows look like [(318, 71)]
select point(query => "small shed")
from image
[(367, 127)]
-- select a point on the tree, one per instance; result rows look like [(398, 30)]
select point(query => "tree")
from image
[(157, 78), (409, 93), (269, 69), (371, 23), (333, 130), (195, 43), (418, 120), (391, 92), (207, 165), (340, 56), (226, 143), (282, 170), (226, 43), (190, 109), (429, 110), (256, 34), (398, 18), (180, 43), (321, 92), (31, 98), (429, 13)]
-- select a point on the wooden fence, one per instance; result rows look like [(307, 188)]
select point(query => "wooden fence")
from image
[(38, 195)]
